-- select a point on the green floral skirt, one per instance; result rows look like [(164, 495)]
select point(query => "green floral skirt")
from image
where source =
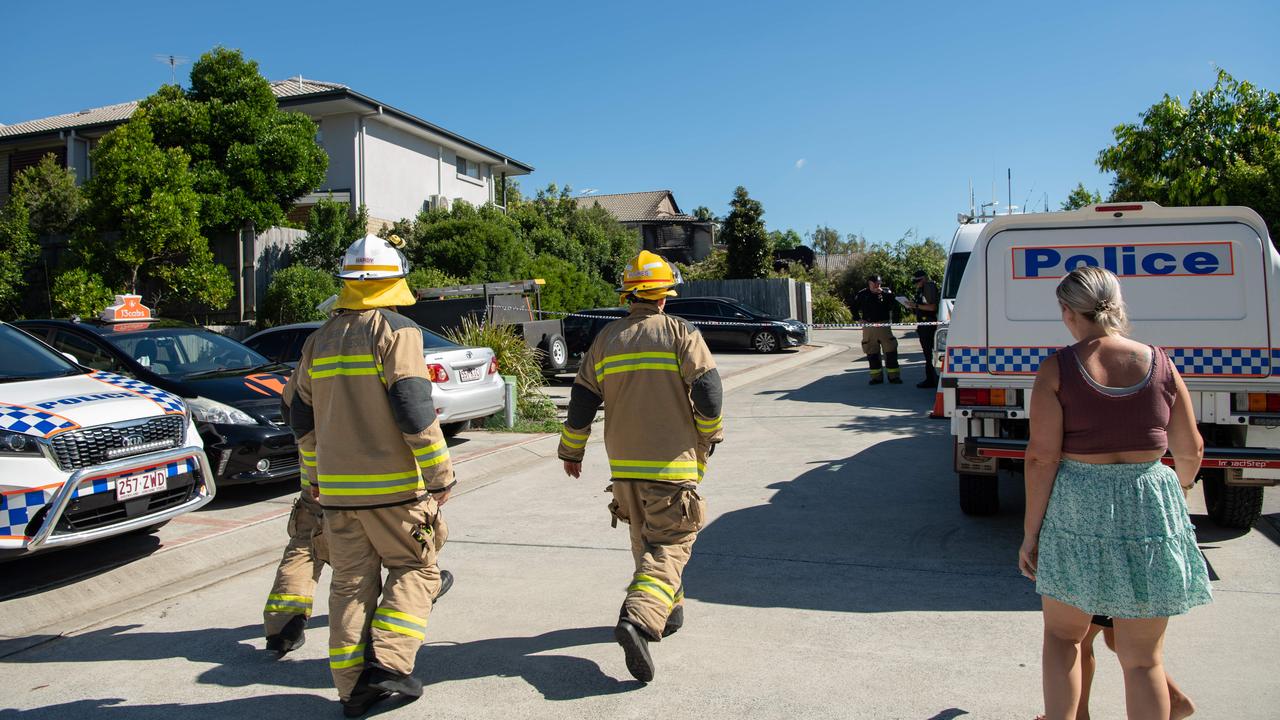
[(1116, 540)]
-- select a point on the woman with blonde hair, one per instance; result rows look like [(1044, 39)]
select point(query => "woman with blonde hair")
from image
[(1106, 530)]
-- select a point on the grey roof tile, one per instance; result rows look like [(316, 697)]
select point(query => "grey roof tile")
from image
[(633, 207)]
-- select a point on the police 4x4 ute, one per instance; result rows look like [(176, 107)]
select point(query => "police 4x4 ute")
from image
[(87, 454)]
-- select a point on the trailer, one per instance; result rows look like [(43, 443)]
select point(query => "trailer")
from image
[(517, 304)]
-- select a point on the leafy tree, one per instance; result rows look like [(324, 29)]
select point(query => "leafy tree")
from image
[(895, 264), (713, 267), (293, 295), (52, 198), (826, 241), (703, 213), (568, 288), (1221, 148), (784, 240), (331, 228), (143, 233), (80, 292), (17, 249), (428, 277), (744, 233), (249, 160), (476, 245), (1080, 197)]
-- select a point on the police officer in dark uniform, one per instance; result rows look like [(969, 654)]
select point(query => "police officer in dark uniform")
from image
[(928, 296), (876, 304)]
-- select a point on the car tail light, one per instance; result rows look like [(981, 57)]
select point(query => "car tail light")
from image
[(493, 365), (437, 374), (1256, 402), (983, 397)]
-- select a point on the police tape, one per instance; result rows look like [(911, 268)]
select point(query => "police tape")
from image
[(729, 323)]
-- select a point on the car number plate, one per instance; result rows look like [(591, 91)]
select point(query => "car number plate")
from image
[(144, 484), (470, 375)]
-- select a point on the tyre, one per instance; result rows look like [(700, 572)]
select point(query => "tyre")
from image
[(765, 341), (555, 353), (1231, 506), (979, 494), (451, 429)]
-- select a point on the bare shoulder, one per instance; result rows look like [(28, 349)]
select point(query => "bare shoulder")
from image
[(1047, 375)]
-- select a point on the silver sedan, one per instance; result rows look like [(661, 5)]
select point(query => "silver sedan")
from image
[(465, 380)]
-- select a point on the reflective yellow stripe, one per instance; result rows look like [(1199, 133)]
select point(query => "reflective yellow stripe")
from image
[(383, 484), (387, 268), (615, 369), (329, 359), (670, 591), (347, 656), (432, 455), (429, 449), (655, 587), (628, 362), (654, 470), (573, 440), (321, 374), (709, 426), (344, 365), (399, 622), (636, 356), (293, 604)]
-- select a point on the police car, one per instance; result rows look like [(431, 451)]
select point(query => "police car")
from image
[(1204, 283), (87, 454)]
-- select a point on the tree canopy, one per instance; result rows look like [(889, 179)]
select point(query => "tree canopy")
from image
[(750, 255), (249, 160), (1220, 148), (331, 228), (1080, 196)]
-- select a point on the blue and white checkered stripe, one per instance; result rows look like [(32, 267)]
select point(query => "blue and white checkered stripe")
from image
[(1192, 362), (30, 421), (1017, 360), (98, 485), (966, 360), (171, 403), (1239, 362), (17, 509)]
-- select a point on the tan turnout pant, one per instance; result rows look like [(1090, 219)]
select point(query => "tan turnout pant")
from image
[(304, 559), (386, 632), (664, 519), (878, 342)]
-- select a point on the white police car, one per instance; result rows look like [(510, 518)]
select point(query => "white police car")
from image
[(1202, 282), (87, 454)]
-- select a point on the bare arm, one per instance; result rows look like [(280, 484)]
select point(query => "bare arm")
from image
[(1044, 451), (1185, 443)]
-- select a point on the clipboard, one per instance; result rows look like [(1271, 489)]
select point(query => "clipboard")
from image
[(903, 300)]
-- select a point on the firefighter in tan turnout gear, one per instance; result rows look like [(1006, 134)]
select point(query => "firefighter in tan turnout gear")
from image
[(662, 399), (360, 401), (284, 619)]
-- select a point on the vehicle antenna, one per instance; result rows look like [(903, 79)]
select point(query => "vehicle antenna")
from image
[(1026, 203), (1009, 176)]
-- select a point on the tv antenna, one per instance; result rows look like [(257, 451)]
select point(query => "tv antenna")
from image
[(173, 61)]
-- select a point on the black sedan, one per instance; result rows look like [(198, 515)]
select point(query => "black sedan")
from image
[(233, 392), (744, 327)]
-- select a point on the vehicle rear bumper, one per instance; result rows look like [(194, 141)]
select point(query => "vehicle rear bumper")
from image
[(53, 528), (1226, 458), (468, 403)]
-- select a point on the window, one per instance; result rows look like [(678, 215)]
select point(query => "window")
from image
[(470, 168), (274, 345), (187, 352), (22, 358), (86, 352)]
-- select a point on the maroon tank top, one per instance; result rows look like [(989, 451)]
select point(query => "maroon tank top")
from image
[(1094, 421)]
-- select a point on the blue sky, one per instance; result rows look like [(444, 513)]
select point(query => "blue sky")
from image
[(870, 120)]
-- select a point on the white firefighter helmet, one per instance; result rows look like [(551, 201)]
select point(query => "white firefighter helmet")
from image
[(374, 258)]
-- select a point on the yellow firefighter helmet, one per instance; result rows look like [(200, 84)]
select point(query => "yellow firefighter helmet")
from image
[(374, 258), (649, 277)]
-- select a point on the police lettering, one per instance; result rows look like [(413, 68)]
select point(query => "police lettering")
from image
[(1125, 260), (77, 399)]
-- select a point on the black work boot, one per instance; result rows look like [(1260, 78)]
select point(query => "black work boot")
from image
[(363, 697), (635, 644), (381, 678), (446, 582), (927, 383), (291, 637), (895, 379), (675, 621), (876, 380)]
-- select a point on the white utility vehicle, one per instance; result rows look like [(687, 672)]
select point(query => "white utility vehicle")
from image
[(88, 454), (1203, 283)]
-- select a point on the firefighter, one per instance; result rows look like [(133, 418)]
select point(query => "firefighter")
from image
[(662, 399), (876, 304), (361, 402), (288, 608), (926, 306)]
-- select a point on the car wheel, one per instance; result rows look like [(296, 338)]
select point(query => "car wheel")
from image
[(451, 429), (555, 353), (1231, 506), (979, 495), (765, 341)]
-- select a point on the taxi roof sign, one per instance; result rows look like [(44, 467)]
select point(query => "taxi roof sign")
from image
[(126, 308)]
